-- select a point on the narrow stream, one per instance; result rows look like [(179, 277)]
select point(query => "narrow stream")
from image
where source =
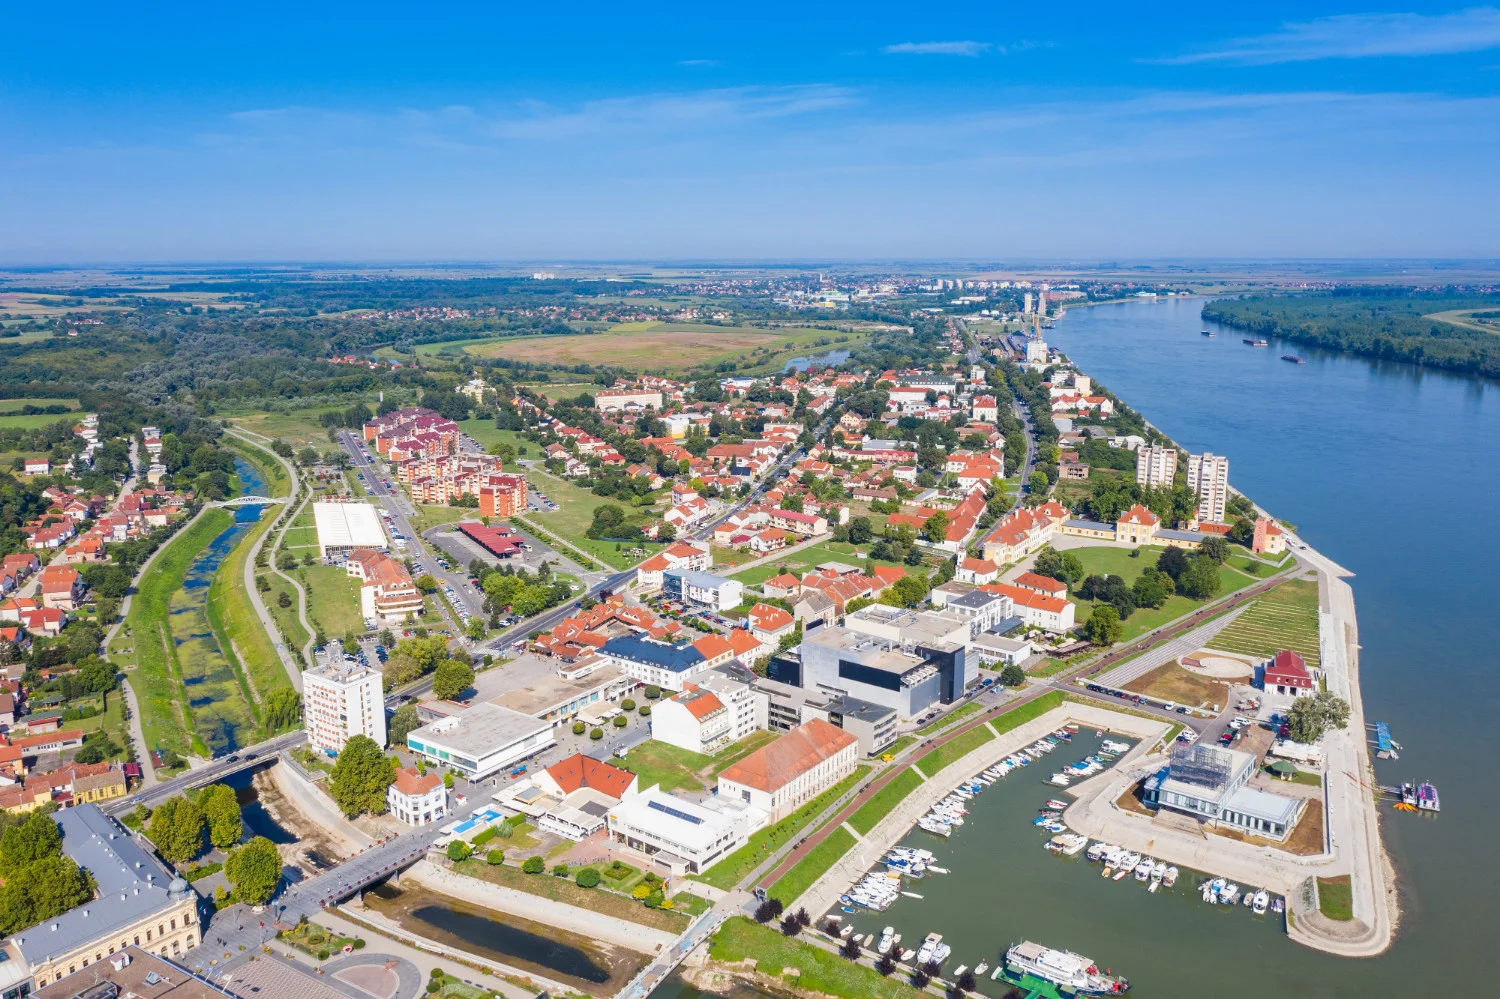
[(220, 713)]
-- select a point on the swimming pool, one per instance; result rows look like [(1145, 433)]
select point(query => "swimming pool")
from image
[(474, 821)]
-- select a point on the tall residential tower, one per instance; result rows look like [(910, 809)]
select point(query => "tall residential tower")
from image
[(1208, 476)]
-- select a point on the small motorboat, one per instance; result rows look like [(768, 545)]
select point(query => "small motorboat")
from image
[(1159, 871), (1153, 886), (1262, 901), (981, 968), (1170, 877), (1278, 905), (1108, 870), (1120, 874), (1054, 803)]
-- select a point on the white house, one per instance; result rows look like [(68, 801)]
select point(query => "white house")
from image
[(417, 799)]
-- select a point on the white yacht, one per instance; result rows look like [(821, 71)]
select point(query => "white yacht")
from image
[(1071, 971), (1262, 901), (887, 938), (1170, 877)]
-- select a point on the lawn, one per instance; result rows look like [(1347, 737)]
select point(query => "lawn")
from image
[(564, 890), (486, 434), (575, 513), (879, 806), (1103, 560), (673, 768), (821, 971), (1336, 898), (732, 869), (333, 599), (12, 406), (285, 617), (35, 421), (951, 718), (732, 754), (314, 939), (300, 428), (660, 346), (954, 750), (790, 886), (236, 626), (1171, 682), (1026, 712), (1285, 617), (157, 680), (801, 561)]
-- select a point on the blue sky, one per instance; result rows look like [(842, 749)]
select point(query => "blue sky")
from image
[(995, 131)]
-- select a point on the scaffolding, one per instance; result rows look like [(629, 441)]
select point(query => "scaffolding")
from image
[(1202, 765)]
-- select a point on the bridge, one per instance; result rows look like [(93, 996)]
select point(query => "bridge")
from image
[(215, 770), (250, 501)]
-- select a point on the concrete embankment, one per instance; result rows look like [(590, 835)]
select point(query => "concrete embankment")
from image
[(608, 929), (874, 844)]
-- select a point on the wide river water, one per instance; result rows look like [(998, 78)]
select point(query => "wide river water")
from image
[(1393, 472)]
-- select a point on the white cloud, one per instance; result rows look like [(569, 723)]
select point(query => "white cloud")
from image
[(939, 48), (1357, 36)]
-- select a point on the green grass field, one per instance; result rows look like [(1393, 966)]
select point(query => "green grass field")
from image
[(879, 806), (1285, 617), (790, 886), (801, 561), (1104, 560), (484, 431), (673, 768), (11, 406), (821, 971), (734, 868), (297, 429), (157, 679), (951, 718), (575, 513), (16, 421), (333, 599), (954, 750), (1336, 898)]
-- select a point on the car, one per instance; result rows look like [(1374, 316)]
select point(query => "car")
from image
[(1182, 709), (1170, 706), (251, 756), (232, 758), (137, 800), (1226, 738)]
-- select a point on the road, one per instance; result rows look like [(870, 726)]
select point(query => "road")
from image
[(207, 774)]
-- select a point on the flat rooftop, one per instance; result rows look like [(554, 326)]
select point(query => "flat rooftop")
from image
[(483, 729), (348, 525), (532, 685)]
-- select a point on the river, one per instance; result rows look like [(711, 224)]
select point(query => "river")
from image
[(220, 713), (1391, 471)]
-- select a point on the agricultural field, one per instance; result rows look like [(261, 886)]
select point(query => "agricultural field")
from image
[(1286, 617), (1104, 560), (658, 346), (12, 406)]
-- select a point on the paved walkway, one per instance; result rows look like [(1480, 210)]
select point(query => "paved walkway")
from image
[(610, 929), (898, 822), (1184, 644), (293, 667)]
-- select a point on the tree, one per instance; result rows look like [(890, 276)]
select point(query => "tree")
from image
[(96, 675), (1172, 562), (177, 827), (621, 721), (851, 949), (596, 734), (36, 837), (935, 528), (1215, 547), (587, 878), (360, 777), (534, 865), (768, 910), (920, 979), (458, 851), (1065, 567), (1200, 580), (476, 630), (1104, 627), (1149, 589), (222, 810), (1012, 675), (254, 870), (44, 888), (885, 964), (425, 582), (1310, 717), (579, 728), (495, 858), (966, 982), (387, 638), (403, 722), (451, 680)]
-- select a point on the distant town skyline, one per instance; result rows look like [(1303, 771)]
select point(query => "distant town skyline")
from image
[(377, 132)]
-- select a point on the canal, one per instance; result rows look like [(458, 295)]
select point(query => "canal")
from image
[(220, 711), (1391, 471), (588, 965)]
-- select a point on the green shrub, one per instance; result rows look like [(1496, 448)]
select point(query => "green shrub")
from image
[(579, 728), (587, 878), (596, 734), (645, 709), (559, 870), (653, 692), (359, 943), (459, 850), (495, 858), (620, 721), (627, 705), (534, 865), (485, 836), (322, 955)]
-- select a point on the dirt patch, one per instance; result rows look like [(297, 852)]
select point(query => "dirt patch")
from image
[(312, 837), (1206, 662), (1131, 801), (1305, 841), (1171, 682)]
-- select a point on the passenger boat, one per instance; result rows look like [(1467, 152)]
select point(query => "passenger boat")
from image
[(1229, 894), (1159, 871), (933, 949), (1424, 796), (1256, 343), (1144, 868), (887, 938), (1097, 850), (1293, 358), (1153, 887), (1072, 972), (1206, 333)]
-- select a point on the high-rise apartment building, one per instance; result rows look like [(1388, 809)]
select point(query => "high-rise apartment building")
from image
[(340, 699), (1208, 476), (1155, 467)]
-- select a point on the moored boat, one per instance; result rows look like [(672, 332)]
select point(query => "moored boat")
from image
[(1293, 358), (1072, 972)]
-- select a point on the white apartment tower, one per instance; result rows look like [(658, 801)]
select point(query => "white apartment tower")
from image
[(1026, 303), (1208, 476), (341, 698), (1155, 467)]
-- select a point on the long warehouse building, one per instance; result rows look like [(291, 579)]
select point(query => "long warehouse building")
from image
[(343, 527)]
